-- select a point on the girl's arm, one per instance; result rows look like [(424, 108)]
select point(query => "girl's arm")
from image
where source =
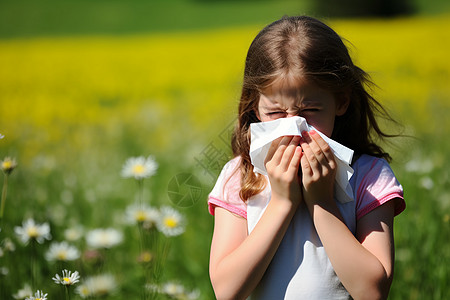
[(238, 260), (363, 264)]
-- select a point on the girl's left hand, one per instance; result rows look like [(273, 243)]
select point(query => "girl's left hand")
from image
[(318, 168)]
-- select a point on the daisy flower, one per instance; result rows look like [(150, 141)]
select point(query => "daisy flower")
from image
[(68, 278), (39, 295), (24, 292), (172, 289), (137, 213), (1, 136), (139, 167), (62, 252), (170, 222), (74, 233), (104, 238), (97, 286), (8, 165), (30, 230)]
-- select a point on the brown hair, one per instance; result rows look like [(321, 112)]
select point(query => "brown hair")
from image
[(306, 47)]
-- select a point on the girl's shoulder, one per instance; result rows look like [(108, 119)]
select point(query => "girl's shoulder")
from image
[(226, 191), (375, 183)]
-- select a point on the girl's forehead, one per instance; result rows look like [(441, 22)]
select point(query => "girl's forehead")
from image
[(290, 86)]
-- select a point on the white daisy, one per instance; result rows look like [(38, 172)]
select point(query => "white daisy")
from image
[(39, 295), (104, 238), (97, 286), (139, 167), (8, 165), (170, 222), (1, 136), (74, 233), (143, 213), (62, 252), (24, 292), (68, 278), (172, 289), (8, 245), (30, 230)]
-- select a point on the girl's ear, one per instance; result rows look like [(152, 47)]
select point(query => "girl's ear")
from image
[(342, 104)]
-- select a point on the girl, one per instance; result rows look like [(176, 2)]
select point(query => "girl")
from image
[(305, 244)]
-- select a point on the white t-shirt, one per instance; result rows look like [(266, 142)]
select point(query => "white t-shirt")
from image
[(300, 268)]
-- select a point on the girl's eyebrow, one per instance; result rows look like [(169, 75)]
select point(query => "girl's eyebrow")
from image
[(307, 102), (275, 106)]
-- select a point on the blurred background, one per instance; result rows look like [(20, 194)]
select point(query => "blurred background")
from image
[(84, 85)]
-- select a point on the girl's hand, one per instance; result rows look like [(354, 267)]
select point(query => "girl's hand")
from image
[(318, 168), (282, 164)]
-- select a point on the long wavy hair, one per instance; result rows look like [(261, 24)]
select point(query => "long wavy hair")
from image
[(306, 47)]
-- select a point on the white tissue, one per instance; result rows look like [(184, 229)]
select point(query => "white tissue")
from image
[(263, 133)]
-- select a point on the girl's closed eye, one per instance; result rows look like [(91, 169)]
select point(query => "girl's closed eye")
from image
[(276, 114)]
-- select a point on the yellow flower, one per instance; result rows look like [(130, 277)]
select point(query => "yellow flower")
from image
[(8, 165), (171, 222)]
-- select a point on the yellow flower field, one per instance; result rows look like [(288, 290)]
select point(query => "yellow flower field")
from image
[(47, 84)]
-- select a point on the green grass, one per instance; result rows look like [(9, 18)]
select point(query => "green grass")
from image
[(80, 17), (28, 18)]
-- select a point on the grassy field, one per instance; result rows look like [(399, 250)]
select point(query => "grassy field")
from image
[(74, 108)]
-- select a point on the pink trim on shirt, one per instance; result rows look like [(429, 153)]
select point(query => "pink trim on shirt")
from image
[(213, 202), (399, 207)]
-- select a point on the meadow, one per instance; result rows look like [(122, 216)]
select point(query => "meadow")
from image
[(74, 109)]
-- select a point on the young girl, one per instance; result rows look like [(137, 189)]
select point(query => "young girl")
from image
[(305, 244)]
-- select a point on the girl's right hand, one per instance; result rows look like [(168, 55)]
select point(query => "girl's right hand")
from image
[(282, 164)]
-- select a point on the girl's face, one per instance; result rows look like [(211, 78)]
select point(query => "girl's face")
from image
[(298, 97)]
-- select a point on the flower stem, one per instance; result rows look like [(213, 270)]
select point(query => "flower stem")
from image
[(33, 265), (4, 191), (67, 292)]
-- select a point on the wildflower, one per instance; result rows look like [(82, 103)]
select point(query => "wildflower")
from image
[(68, 278), (97, 286), (39, 295), (30, 230), (172, 289), (142, 214), (145, 257), (24, 292), (426, 182), (178, 291), (8, 165), (418, 165), (1, 136), (4, 271), (104, 238), (62, 252), (74, 233), (170, 222), (139, 167), (83, 291), (8, 245)]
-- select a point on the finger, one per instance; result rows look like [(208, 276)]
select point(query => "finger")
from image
[(295, 161), (273, 147), (289, 152), (276, 158), (326, 150), (306, 169), (315, 149), (309, 154)]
